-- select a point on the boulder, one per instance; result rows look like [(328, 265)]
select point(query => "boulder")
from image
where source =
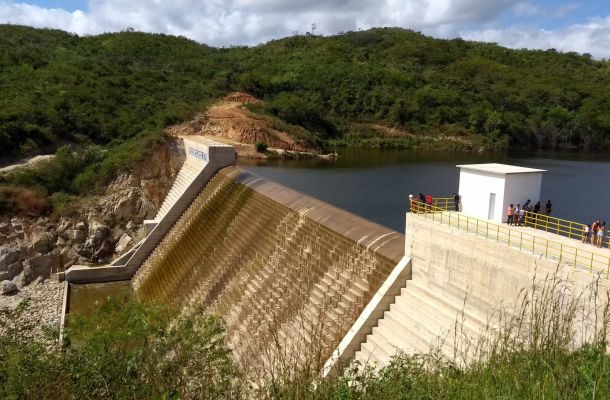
[(98, 230), (64, 226), (14, 269), (43, 265), (77, 235), (8, 287), (104, 252), (42, 242), (16, 224), (8, 256), (125, 206), (68, 257), (4, 228), (123, 243)]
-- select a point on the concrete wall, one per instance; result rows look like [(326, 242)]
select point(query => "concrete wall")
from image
[(520, 188), (475, 189), (459, 283), (455, 266)]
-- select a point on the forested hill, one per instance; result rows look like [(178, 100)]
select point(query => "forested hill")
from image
[(60, 88)]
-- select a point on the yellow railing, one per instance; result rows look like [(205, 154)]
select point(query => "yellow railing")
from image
[(445, 203), (515, 238), (558, 226)]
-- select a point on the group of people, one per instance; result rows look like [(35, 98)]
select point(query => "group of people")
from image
[(427, 199), (516, 215), (594, 233)]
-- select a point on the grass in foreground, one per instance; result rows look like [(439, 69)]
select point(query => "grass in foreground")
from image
[(127, 350)]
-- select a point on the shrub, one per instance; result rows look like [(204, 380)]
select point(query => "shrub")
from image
[(261, 147), (23, 201), (123, 350), (64, 204)]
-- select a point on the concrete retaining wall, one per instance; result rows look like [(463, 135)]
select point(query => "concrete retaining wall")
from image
[(459, 282)]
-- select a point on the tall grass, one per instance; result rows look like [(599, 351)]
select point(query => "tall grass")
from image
[(551, 345), (124, 350)]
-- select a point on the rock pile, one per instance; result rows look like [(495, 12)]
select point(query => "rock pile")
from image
[(33, 312)]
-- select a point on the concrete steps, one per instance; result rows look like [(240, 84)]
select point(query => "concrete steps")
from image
[(419, 320), (185, 177)]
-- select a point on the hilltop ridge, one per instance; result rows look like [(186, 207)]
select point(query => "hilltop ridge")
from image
[(110, 97)]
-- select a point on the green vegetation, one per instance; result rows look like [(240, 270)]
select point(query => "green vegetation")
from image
[(124, 350), (112, 94), (127, 350), (530, 355), (261, 147)]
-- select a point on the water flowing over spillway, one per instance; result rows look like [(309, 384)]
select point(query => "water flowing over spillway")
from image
[(287, 274)]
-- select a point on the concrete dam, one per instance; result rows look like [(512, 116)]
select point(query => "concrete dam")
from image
[(298, 282)]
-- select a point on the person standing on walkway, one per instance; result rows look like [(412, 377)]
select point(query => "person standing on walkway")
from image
[(586, 233), (521, 216), (600, 234), (549, 207), (510, 215), (594, 229), (411, 197), (456, 201), (537, 208)]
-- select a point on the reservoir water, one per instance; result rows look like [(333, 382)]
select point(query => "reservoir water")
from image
[(375, 183)]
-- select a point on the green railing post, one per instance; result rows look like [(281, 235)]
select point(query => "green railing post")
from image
[(521, 242)]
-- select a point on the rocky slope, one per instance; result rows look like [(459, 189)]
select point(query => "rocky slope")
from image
[(95, 231)]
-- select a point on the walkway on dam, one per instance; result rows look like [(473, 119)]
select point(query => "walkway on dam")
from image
[(584, 247), (547, 244)]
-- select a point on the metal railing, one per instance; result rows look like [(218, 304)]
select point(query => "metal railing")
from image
[(558, 226), (445, 203), (589, 260)]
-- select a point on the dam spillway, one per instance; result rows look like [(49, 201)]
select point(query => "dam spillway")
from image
[(287, 274), (300, 284)]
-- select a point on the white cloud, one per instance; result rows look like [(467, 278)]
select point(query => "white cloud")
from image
[(592, 37), (526, 9), (227, 22)]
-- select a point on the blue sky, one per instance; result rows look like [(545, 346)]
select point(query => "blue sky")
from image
[(64, 4), (554, 14), (569, 25)]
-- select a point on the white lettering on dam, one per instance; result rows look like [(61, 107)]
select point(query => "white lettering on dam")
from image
[(202, 155)]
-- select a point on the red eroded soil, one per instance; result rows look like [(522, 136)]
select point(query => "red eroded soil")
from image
[(230, 122)]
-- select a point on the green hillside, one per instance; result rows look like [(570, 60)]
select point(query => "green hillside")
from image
[(118, 91)]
